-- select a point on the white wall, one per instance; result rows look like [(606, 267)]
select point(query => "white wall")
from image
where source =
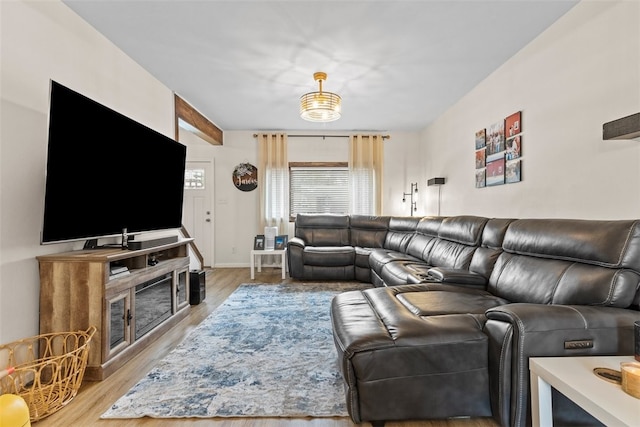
[(580, 73), (43, 41)]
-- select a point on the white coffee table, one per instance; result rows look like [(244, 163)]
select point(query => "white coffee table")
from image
[(259, 253), (574, 377)]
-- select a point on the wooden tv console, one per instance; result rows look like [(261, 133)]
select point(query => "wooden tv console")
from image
[(104, 288)]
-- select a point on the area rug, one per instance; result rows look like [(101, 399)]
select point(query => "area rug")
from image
[(267, 351)]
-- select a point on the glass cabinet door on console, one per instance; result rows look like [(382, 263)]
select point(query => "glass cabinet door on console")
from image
[(153, 304), (136, 312), (119, 321), (182, 289)]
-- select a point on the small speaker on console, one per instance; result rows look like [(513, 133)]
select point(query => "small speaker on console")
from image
[(197, 288)]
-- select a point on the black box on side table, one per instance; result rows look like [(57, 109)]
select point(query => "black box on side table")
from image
[(197, 289)]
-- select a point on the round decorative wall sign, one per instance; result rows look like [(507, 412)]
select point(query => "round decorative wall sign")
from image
[(245, 177)]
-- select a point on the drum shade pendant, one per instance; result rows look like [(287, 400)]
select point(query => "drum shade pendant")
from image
[(320, 106)]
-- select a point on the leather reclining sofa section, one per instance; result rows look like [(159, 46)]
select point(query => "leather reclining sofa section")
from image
[(461, 303)]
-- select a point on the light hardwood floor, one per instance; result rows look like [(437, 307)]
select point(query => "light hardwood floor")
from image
[(94, 398)]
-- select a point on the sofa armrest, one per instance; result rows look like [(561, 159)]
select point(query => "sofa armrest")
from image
[(568, 330), (457, 277), (530, 319), (297, 242), (295, 249), (519, 331)]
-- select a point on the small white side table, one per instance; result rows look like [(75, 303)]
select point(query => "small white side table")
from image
[(259, 253), (574, 377)]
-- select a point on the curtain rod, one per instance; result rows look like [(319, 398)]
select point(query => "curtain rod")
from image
[(255, 135)]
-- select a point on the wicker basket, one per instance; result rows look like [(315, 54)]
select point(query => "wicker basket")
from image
[(48, 369)]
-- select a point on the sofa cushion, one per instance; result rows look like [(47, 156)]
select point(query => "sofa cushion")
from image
[(451, 255), (485, 257), (521, 278), (464, 229), (563, 261), (398, 365), (613, 244), (323, 229), (458, 238), (401, 231), (439, 302), (362, 257), (368, 231), (329, 256), (425, 237)]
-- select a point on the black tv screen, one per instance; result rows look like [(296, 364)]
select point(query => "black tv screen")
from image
[(107, 172)]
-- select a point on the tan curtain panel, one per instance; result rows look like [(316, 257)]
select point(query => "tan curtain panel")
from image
[(273, 182), (366, 164)]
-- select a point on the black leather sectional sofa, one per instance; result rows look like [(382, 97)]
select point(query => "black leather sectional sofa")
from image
[(461, 303)]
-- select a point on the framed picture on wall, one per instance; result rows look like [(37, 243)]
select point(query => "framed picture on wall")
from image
[(495, 172), (480, 178), (495, 139), (514, 147), (480, 158), (513, 124), (513, 171), (481, 138)]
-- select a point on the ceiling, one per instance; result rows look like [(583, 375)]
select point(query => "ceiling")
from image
[(397, 65)]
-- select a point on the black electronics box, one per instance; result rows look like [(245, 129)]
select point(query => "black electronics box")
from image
[(197, 288), (135, 245)]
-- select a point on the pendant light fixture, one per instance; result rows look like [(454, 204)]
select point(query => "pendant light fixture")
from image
[(320, 106)]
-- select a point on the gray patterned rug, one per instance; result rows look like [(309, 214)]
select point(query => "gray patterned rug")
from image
[(267, 351)]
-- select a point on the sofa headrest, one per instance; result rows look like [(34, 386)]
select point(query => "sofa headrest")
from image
[(367, 222), (406, 223), (429, 225), (369, 231), (613, 244), (322, 221), (465, 229), (494, 232)]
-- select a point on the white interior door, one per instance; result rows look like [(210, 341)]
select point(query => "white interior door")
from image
[(197, 215)]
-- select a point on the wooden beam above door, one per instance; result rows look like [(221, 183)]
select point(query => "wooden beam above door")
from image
[(190, 119)]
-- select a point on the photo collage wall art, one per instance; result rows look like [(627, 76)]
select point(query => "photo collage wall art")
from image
[(499, 152)]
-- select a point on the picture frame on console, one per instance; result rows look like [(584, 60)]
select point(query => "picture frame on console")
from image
[(258, 242), (281, 242)]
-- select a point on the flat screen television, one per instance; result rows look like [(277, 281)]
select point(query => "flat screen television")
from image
[(106, 173)]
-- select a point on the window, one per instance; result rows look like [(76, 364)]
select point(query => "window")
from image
[(194, 179), (318, 188)]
